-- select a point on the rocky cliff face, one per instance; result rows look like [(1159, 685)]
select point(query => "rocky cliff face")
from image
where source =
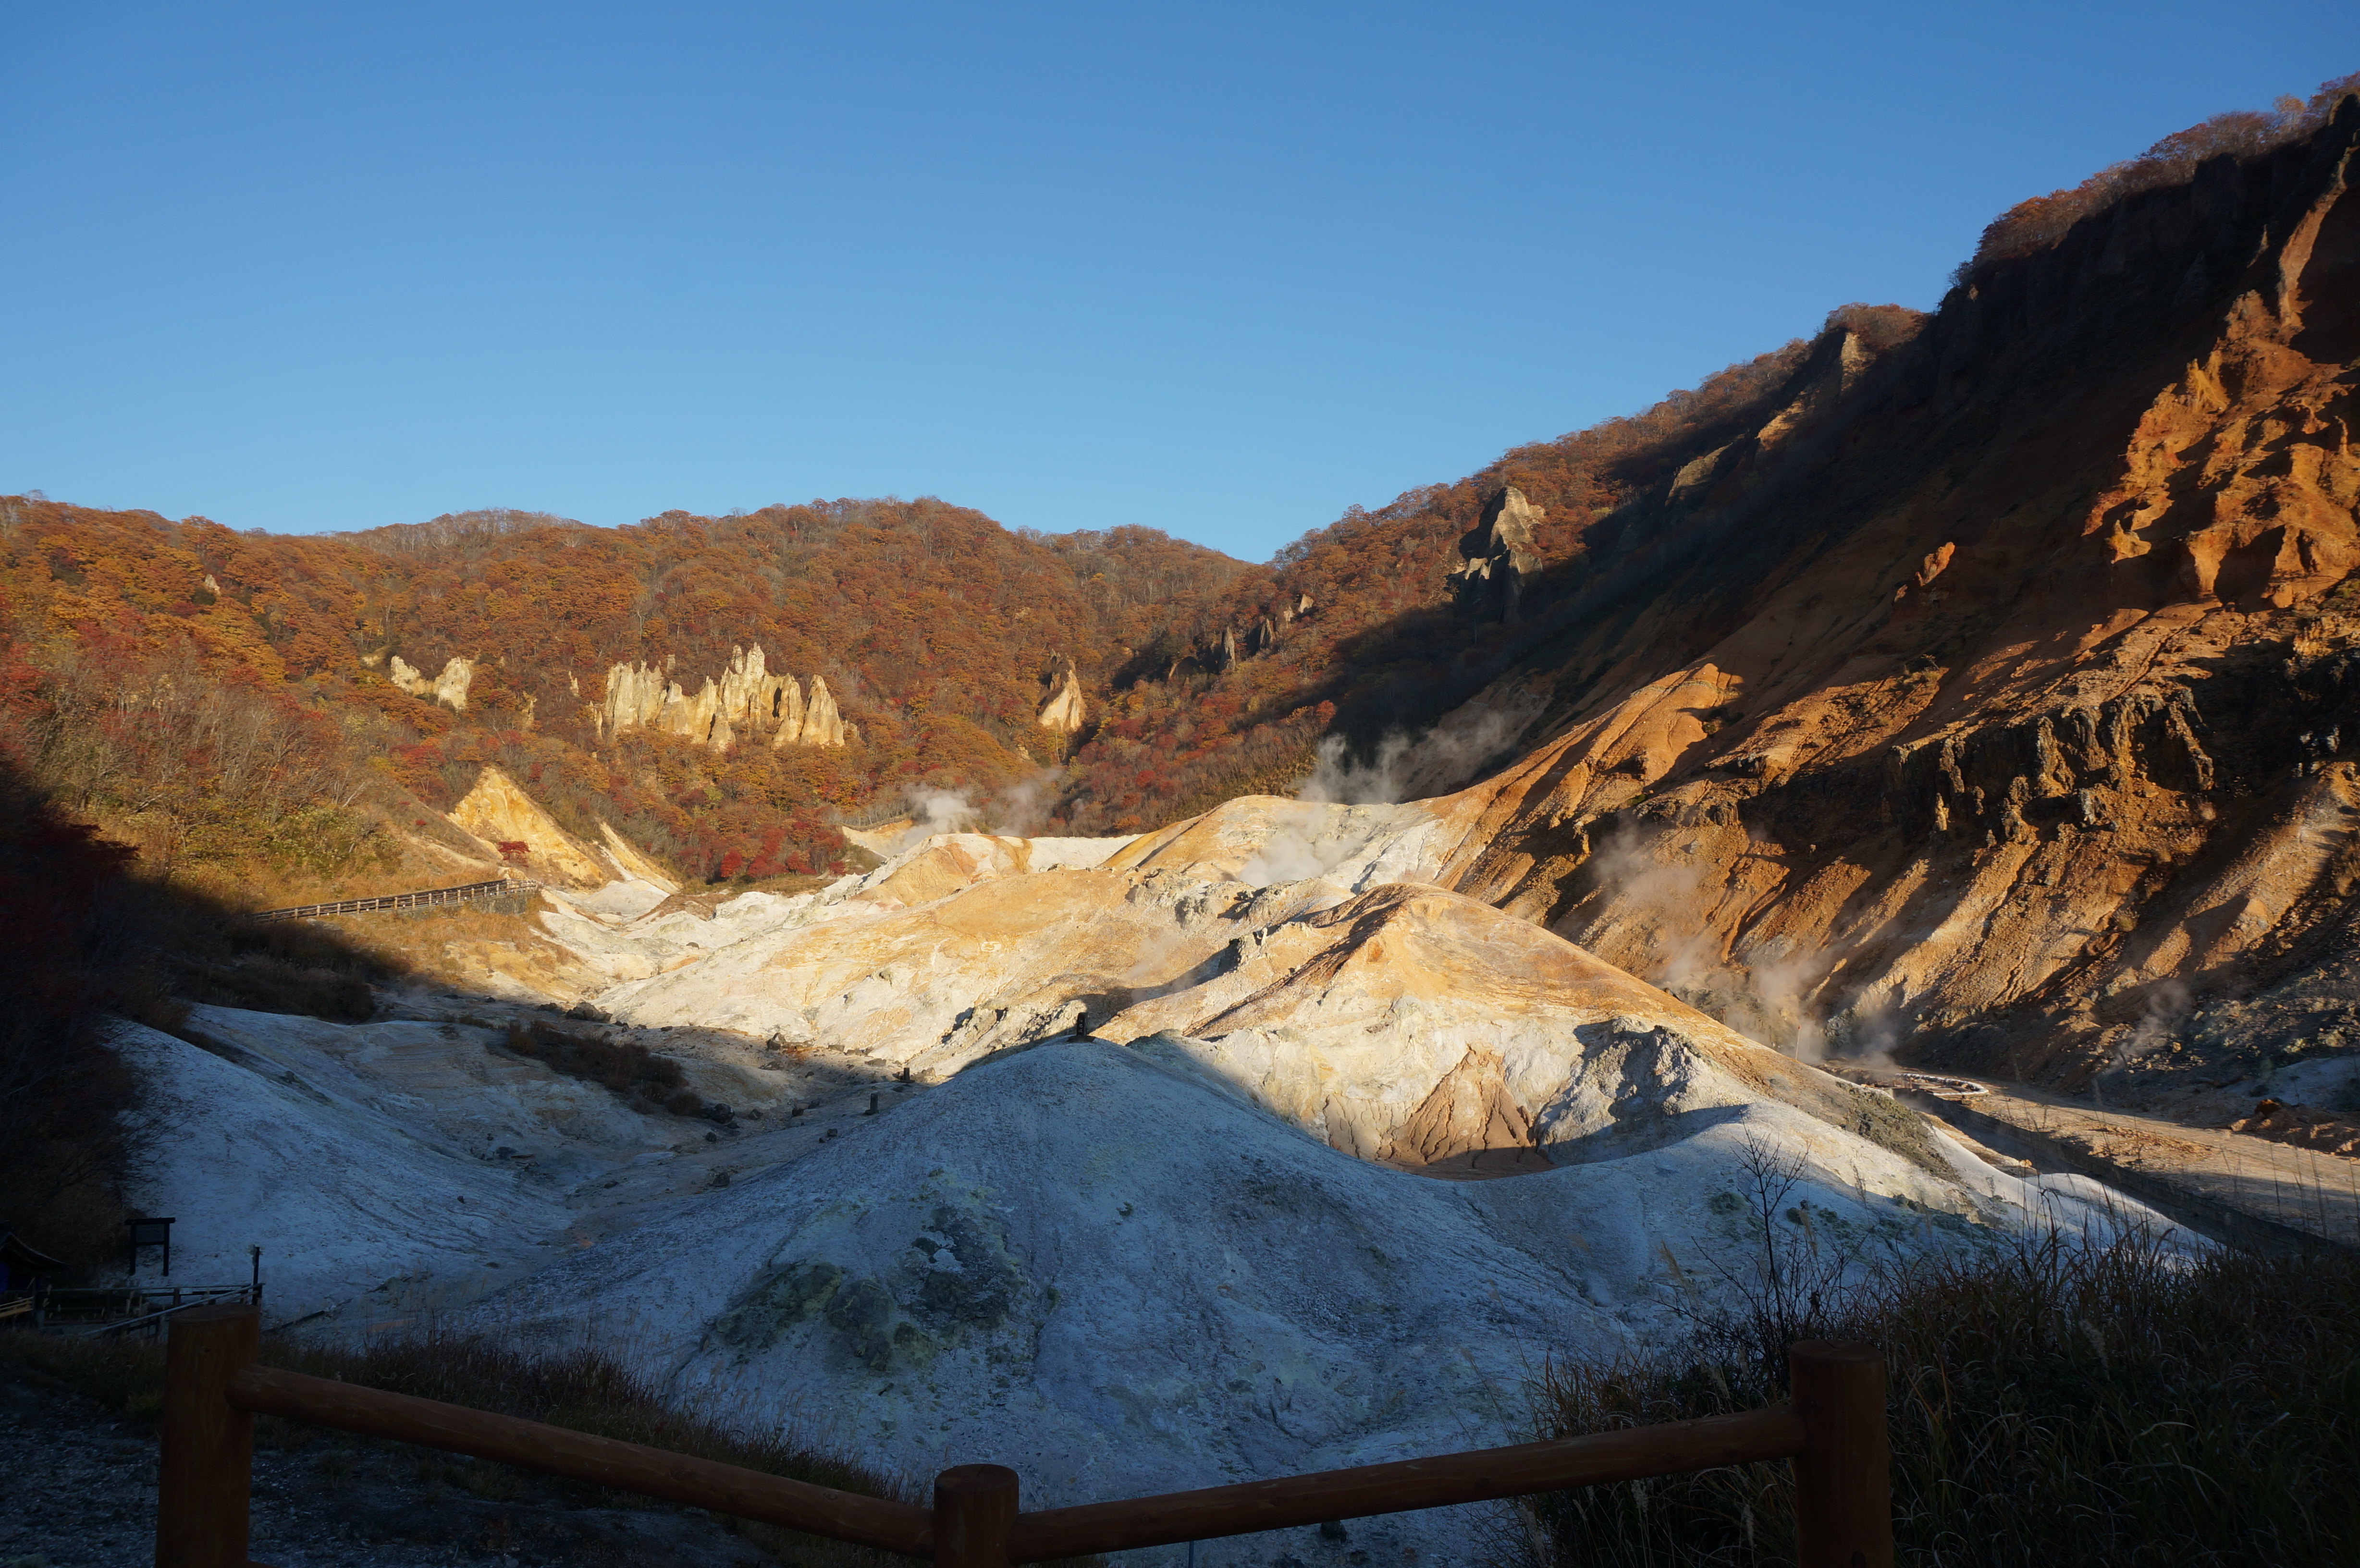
[(1065, 710), (450, 688), (1996, 694), (746, 701), (1498, 557), (498, 811)]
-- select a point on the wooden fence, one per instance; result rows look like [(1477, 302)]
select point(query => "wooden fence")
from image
[(471, 893), (130, 1309), (1834, 1432)]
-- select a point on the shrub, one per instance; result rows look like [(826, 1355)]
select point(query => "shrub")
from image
[(2056, 1402), (622, 1066)]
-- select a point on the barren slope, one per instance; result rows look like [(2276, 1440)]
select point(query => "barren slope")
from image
[(1994, 696)]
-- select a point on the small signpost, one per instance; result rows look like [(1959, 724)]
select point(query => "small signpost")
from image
[(142, 1230)]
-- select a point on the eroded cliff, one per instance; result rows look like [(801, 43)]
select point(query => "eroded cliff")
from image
[(1996, 695)]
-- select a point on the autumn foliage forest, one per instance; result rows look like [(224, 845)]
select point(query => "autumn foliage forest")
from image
[(216, 698), (224, 702), (2039, 221)]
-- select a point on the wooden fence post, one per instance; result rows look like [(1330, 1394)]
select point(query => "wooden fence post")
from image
[(1843, 1478), (207, 1465), (975, 1506)]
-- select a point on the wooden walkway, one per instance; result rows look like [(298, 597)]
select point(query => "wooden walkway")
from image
[(474, 892)]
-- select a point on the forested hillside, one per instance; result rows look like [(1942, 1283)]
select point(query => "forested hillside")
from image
[(1356, 628), (215, 696)]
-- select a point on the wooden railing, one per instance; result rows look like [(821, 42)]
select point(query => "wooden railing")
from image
[(1834, 1432), (122, 1309), (470, 893)]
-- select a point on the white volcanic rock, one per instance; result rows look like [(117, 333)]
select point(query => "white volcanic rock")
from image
[(285, 1151), (1393, 1020), (450, 688), (393, 1168), (1119, 1269), (1102, 1266), (1406, 1023), (1262, 841), (1065, 710), (746, 701)]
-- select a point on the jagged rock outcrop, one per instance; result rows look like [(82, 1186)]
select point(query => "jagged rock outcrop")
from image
[(1498, 557), (822, 726), (450, 688), (1063, 712), (746, 701)]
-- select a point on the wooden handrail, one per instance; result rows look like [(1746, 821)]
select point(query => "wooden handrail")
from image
[(1671, 1449), (602, 1461), (1834, 1432), (424, 897)]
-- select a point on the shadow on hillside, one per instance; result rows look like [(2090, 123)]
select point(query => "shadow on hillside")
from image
[(1716, 546), (93, 937)]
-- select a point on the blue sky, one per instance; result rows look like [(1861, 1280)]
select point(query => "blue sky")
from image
[(1219, 270)]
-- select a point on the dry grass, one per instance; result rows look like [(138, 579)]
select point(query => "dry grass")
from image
[(2056, 1404), (464, 946), (257, 884)]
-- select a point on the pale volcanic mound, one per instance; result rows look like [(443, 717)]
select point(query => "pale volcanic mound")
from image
[(1358, 1000), (1104, 1266)]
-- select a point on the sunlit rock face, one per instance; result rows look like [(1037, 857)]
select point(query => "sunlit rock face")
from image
[(450, 688), (1065, 710), (746, 701), (1990, 700)]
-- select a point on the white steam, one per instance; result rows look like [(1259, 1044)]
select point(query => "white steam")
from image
[(1338, 781), (1299, 851), (1019, 811), (1445, 758), (1770, 992), (936, 811)]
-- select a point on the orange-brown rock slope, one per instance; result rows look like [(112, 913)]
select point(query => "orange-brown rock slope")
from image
[(2001, 694)]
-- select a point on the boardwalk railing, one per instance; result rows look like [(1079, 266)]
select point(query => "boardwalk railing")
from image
[(1834, 1432), (130, 1309), (469, 893)]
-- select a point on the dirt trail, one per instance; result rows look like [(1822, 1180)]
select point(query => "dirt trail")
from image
[(2249, 1191)]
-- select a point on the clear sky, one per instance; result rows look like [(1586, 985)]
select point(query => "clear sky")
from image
[(1221, 269)]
